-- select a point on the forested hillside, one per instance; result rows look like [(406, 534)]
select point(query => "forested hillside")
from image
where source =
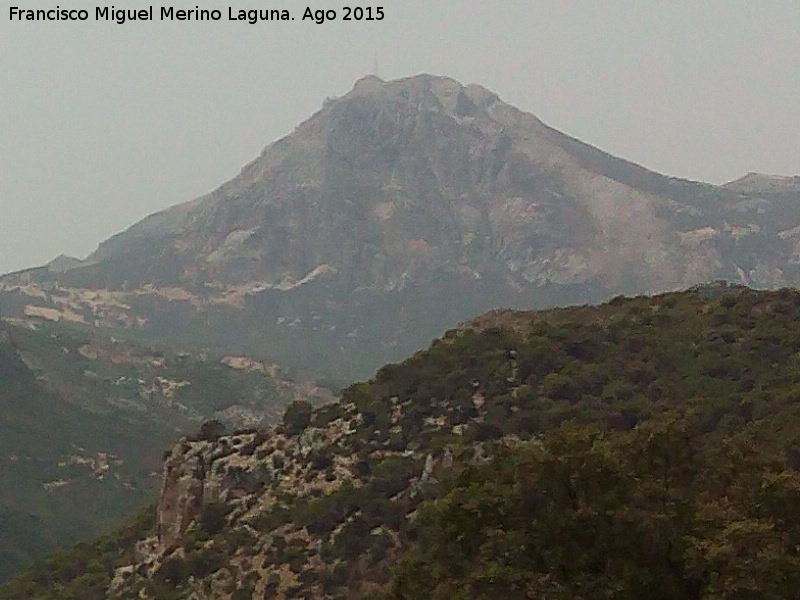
[(86, 419), (645, 448)]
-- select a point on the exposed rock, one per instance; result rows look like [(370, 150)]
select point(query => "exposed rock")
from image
[(183, 492), (325, 509), (397, 211)]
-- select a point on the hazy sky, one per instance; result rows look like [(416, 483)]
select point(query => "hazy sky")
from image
[(102, 124)]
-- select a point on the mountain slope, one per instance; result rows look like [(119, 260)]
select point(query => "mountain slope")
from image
[(84, 423), (646, 447), (399, 209)]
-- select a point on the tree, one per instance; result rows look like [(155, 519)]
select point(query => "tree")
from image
[(212, 430), (297, 416)]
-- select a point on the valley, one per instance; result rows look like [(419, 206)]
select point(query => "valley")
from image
[(574, 377), (87, 418)]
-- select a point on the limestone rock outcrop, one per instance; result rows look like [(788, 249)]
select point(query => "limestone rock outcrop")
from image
[(397, 211)]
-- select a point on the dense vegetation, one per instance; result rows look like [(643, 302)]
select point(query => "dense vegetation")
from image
[(670, 469), (653, 513), (84, 572), (643, 448)]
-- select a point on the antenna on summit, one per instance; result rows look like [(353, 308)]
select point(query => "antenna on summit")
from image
[(375, 67)]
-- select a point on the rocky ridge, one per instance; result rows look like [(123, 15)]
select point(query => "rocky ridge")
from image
[(398, 210), (255, 479), (326, 504)]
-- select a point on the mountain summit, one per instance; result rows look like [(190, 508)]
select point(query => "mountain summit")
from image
[(400, 209)]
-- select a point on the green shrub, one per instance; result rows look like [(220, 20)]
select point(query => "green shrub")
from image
[(211, 430), (213, 517), (297, 416)]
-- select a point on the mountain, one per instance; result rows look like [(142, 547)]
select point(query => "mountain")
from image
[(85, 420), (403, 208), (762, 183), (644, 448)]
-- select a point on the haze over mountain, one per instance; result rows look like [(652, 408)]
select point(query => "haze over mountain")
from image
[(403, 208)]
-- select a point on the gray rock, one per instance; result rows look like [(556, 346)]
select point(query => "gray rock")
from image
[(407, 206)]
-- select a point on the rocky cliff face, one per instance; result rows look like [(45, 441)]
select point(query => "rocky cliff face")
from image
[(400, 209), (248, 483)]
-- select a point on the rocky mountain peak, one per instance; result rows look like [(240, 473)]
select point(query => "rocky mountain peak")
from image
[(416, 201), (762, 182), (426, 91)]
